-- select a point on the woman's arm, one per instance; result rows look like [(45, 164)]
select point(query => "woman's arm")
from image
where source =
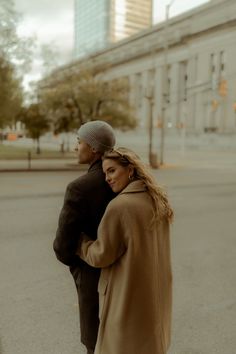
[(110, 244)]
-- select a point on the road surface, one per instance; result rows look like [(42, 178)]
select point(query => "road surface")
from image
[(39, 313)]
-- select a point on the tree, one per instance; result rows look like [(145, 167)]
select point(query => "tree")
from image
[(15, 59), (36, 122), (49, 55), (10, 94), (16, 50), (86, 96)]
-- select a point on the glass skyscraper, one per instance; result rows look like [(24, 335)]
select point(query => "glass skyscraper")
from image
[(101, 22)]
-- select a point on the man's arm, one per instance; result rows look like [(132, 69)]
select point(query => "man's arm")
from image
[(69, 226)]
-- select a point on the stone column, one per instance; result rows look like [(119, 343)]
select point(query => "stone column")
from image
[(144, 114), (174, 97), (133, 92), (158, 95), (192, 69), (202, 90), (230, 98)]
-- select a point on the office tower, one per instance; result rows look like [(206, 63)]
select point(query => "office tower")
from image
[(99, 23)]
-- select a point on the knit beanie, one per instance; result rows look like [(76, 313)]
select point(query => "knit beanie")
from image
[(98, 134)]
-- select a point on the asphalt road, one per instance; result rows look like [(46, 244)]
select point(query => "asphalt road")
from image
[(38, 303)]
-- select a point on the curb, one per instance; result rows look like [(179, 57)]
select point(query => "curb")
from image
[(42, 170), (77, 168), (47, 169)]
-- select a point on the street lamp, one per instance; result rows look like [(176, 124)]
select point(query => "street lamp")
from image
[(152, 157), (165, 79)]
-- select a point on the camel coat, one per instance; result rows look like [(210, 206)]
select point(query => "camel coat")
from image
[(135, 286)]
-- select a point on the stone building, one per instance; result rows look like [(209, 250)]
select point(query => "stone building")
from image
[(182, 69)]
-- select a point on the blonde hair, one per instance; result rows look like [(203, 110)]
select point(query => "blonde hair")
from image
[(126, 157)]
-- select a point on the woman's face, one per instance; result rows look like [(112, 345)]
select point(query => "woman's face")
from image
[(117, 176)]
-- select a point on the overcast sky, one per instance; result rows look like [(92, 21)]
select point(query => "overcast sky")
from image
[(52, 22)]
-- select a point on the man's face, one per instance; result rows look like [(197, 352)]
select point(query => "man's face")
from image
[(85, 153)]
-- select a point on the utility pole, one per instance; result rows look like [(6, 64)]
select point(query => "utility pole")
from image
[(165, 82), (152, 157)]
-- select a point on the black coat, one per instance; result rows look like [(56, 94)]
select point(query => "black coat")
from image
[(85, 201)]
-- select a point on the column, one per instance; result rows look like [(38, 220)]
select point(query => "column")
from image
[(230, 98), (144, 116), (174, 97), (191, 94), (202, 89), (158, 95), (133, 91)]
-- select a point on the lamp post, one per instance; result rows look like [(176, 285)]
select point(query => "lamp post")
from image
[(152, 157), (149, 95), (165, 80)]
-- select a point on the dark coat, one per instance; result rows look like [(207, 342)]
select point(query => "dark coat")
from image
[(85, 201)]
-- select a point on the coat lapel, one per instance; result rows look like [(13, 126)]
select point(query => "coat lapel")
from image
[(134, 187)]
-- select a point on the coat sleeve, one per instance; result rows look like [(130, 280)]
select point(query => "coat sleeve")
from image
[(110, 243), (69, 226)]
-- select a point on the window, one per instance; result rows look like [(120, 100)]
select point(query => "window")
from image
[(222, 64), (183, 80), (213, 62)]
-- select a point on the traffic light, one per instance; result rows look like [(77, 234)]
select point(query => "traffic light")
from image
[(223, 88)]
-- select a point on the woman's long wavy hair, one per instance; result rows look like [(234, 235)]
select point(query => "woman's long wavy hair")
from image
[(126, 157)]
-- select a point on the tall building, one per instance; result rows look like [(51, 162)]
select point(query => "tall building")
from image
[(99, 23)]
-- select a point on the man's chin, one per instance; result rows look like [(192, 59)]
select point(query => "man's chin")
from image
[(82, 162)]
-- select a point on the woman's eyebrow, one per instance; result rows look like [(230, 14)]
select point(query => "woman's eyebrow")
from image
[(107, 170)]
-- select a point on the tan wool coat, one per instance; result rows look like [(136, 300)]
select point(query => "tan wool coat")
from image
[(135, 286)]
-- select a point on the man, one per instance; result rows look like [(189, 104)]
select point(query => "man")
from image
[(85, 201)]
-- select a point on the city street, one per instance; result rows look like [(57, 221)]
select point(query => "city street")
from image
[(162, 74), (39, 313)]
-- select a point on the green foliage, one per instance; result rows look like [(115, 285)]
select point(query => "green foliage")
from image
[(49, 56), (85, 96), (10, 94), (21, 153), (14, 49), (15, 59), (36, 122)]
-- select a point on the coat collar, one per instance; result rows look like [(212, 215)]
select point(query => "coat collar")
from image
[(134, 187), (97, 165)]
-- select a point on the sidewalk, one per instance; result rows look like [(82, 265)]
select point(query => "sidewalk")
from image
[(173, 158), (195, 152), (40, 165)]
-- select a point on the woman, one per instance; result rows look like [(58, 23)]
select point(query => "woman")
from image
[(133, 250)]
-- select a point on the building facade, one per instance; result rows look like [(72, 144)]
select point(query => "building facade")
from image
[(183, 71), (99, 23)]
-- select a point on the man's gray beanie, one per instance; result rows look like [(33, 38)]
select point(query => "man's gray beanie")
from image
[(98, 134)]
